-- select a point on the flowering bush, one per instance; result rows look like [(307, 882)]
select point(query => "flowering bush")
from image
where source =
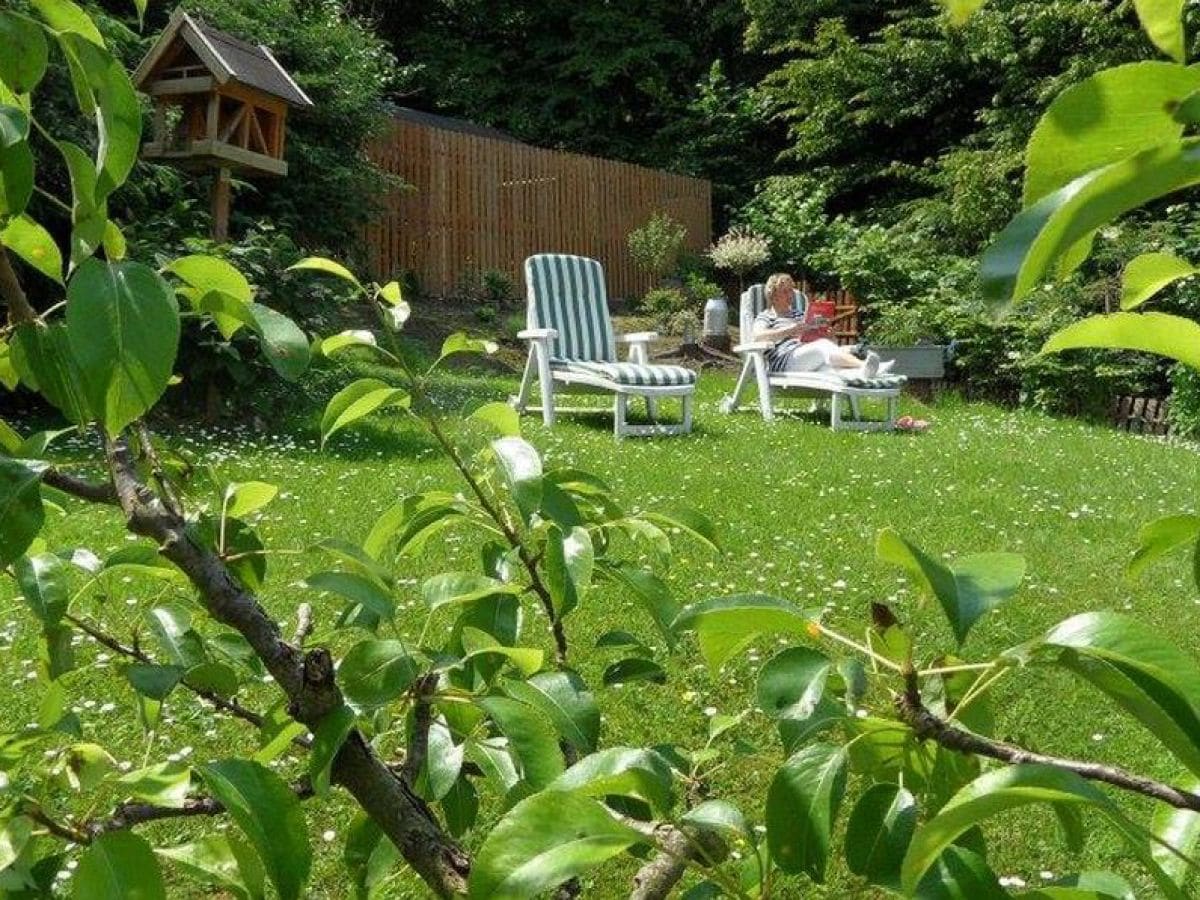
[(655, 247), (740, 251)]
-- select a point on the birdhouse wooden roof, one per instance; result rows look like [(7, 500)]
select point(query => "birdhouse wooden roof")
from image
[(227, 59)]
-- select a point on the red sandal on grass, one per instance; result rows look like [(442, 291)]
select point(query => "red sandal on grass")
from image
[(908, 423)]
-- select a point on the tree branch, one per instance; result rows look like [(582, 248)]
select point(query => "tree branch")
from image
[(130, 815), (418, 745), (13, 294), (676, 848), (91, 491), (929, 726), (306, 679), (227, 704), (304, 624)]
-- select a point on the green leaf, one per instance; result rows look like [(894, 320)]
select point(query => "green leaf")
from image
[(569, 559), (228, 313), (356, 401), (477, 643), (331, 733), (391, 294), (43, 581), (123, 327), (328, 266), (14, 836), (243, 498), (625, 772), (65, 16), (442, 765), (689, 520), (1085, 886), (1180, 830), (1014, 787), (961, 10), (1103, 119), (966, 589), (223, 861), (462, 588), (648, 590), (14, 125), (119, 115), (23, 63), (959, 874), (16, 175), (460, 806), (1172, 336), (115, 246), (720, 816), (563, 697), (215, 677), (118, 865), (416, 518), (42, 356), (499, 416), (164, 784), (33, 243), (802, 806), (1031, 244), (878, 832), (283, 343), (725, 626), (543, 841), (1148, 274), (1160, 537), (210, 273), (634, 668), (21, 511), (791, 690), (1162, 20), (155, 682), (342, 340), (460, 343), (361, 590), (171, 626), (269, 814), (376, 672), (531, 737), (1151, 679), (521, 468)]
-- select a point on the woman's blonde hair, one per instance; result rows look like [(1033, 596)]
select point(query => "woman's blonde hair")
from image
[(775, 282)]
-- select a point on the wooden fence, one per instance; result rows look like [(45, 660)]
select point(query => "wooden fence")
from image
[(480, 203)]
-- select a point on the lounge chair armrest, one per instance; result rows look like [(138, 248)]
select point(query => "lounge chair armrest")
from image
[(638, 337), (538, 334), (753, 347)]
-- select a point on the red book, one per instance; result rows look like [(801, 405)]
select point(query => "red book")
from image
[(819, 309)]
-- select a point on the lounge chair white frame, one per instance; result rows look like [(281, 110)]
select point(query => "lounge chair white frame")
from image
[(821, 385), (572, 349)]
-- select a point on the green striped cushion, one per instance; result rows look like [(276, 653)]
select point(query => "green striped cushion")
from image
[(879, 382), (567, 293), (630, 374)]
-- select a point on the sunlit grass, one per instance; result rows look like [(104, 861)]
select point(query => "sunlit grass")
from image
[(797, 507)]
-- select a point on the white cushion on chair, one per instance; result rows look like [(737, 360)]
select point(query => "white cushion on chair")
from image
[(627, 373)]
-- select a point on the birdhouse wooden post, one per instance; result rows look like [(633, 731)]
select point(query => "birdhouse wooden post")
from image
[(220, 103)]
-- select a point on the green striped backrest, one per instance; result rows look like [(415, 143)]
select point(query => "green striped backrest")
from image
[(567, 293)]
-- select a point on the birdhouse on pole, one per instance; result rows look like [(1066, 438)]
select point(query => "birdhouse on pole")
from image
[(220, 103)]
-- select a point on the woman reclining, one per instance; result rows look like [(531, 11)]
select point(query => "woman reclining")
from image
[(781, 325)]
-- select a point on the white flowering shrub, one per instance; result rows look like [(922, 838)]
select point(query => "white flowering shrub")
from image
[(740, 251)]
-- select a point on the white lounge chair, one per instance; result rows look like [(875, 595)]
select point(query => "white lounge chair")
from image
[(572, 348), (825, 385)]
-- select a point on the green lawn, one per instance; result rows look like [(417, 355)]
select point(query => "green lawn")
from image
[(798, 508)]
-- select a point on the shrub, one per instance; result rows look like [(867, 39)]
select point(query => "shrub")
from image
[(740, 251), (489, 292), (789, 211), (656, 246), (664, 306), (699, 287)]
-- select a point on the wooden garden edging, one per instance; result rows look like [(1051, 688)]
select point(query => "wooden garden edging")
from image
[(1141, 415)]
